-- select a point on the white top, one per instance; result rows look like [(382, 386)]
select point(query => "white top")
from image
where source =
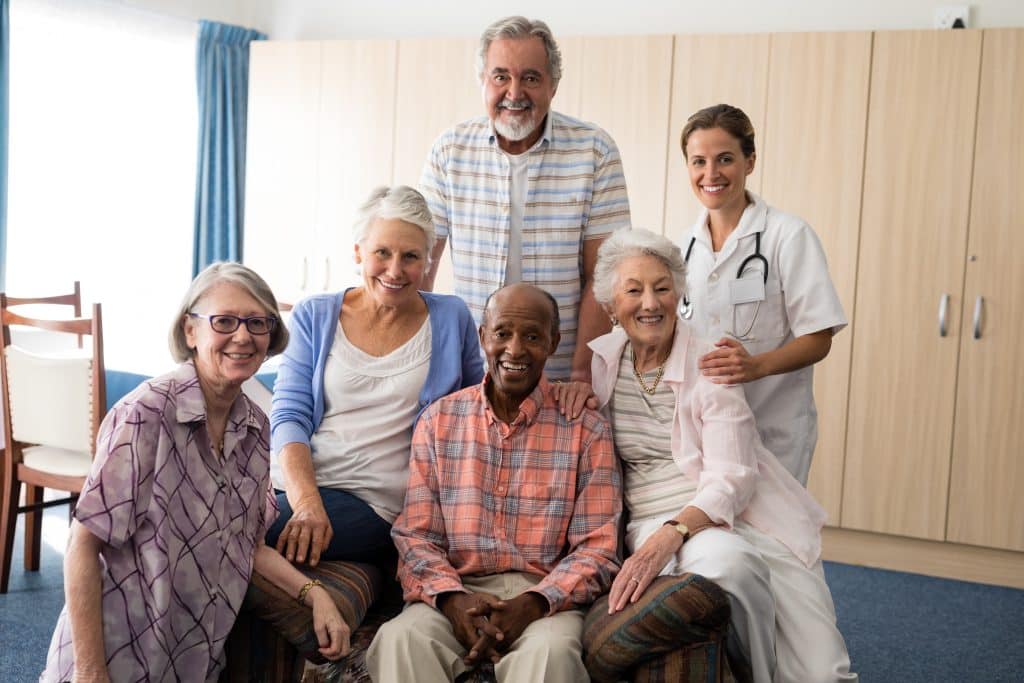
[(652, 484), (370, 403), (799, 298), (518, 187)]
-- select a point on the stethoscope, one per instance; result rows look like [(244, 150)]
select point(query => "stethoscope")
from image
[(686, 307)]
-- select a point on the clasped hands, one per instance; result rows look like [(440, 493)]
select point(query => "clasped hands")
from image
[(488, 626)]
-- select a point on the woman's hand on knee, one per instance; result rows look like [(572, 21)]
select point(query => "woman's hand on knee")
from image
[(307, 533), (332, 633), (643, 567)]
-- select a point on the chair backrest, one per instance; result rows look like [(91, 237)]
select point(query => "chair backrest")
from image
[(53, 399), (72, 299)]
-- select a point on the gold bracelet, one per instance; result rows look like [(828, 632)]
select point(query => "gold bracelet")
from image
[(306, 588)]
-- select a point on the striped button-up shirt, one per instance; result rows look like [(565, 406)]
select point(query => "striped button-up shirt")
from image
[(576, 192), (541, 495)]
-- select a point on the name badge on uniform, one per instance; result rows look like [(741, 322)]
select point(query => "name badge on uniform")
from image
[(746, 290)]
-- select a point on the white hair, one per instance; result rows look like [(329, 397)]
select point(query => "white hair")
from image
[(517, 28), (399, 202), (627, 243)]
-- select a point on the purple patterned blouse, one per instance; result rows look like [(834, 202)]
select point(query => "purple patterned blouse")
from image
[(180, 528)]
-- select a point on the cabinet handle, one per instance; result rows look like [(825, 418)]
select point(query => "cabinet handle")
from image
[(327, 273), (943, 315), (979, 305), (305, 273)]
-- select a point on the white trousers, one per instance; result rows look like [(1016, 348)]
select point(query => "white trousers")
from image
[(783, 619), (419, 644)]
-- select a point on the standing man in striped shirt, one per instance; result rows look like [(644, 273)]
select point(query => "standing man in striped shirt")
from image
[(525, 194), (510, 524)]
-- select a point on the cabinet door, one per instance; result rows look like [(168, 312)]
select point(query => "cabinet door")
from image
[(986, 505), (625, 91), (357, 105), (707, 70), (281, 167), (437, 87), (812, 160), (917, 178)]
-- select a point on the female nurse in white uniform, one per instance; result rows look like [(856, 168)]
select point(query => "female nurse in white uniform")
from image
[(758, 288)]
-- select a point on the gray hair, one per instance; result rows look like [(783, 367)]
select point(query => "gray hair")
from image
[(401, 202), (517, 28), (236, 274), (624, 244)]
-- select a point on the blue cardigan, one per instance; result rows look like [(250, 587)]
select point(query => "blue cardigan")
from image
[(298, 403)]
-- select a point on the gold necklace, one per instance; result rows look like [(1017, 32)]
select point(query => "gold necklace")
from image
[(649, 390)]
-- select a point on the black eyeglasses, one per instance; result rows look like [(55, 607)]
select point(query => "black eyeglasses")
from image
[(226, 324)]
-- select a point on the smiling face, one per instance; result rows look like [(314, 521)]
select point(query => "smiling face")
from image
[(718, 170), (517, 91), (394, 259), (644, 301), (517, 337), (224, 361)]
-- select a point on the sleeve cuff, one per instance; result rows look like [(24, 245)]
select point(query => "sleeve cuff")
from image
[(286, 433)]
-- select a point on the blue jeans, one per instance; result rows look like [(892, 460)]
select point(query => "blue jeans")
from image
[(360, 535)]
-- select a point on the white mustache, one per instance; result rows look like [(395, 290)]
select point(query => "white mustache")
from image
[(515, 105)]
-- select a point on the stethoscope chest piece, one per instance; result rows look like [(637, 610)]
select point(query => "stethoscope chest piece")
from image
[(685, 309)]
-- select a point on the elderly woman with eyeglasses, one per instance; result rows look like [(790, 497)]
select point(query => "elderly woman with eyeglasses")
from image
[(171, 521), (702, 493), (362, 365)]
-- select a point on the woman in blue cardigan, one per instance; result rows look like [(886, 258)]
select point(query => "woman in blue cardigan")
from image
[(360, 367)]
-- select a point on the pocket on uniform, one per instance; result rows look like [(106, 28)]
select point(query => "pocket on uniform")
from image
[(763, 322)]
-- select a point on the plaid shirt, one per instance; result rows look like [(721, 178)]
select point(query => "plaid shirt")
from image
[(542, 495)]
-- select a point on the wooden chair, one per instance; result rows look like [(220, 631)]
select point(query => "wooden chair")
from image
[(52, 408), (74, 299)]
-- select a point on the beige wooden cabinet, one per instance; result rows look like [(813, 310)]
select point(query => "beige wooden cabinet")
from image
[(917, 190), (811, 155), (622, 84), (281, 169), (320, 137), (986, 490)]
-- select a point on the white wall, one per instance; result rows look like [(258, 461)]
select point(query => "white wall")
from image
[(319, 19), (239, 12)]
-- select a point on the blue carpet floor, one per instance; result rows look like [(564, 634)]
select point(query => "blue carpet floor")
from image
[(899, 627)]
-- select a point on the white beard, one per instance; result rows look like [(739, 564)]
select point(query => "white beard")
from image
[(515, 130), (519, 128)]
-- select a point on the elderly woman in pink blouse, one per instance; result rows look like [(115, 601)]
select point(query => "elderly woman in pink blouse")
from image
[(171, 521), (702, 493)]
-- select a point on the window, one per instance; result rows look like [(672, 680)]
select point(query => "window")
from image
[(103, 165)]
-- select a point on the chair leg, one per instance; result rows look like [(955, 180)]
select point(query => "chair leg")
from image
[(8, 521), (71, 508), (33, 528)]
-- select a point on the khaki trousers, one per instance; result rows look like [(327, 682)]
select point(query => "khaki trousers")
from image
[(419, 646)]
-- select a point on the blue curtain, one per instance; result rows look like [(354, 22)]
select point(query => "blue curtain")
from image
[(5, 74), (222, 65)]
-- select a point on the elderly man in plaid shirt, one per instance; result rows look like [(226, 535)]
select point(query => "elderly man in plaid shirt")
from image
[(510, 520)]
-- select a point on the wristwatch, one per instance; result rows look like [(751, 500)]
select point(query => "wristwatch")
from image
[(683, 530)]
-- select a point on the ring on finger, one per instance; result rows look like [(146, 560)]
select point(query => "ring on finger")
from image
[(635, 580)]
